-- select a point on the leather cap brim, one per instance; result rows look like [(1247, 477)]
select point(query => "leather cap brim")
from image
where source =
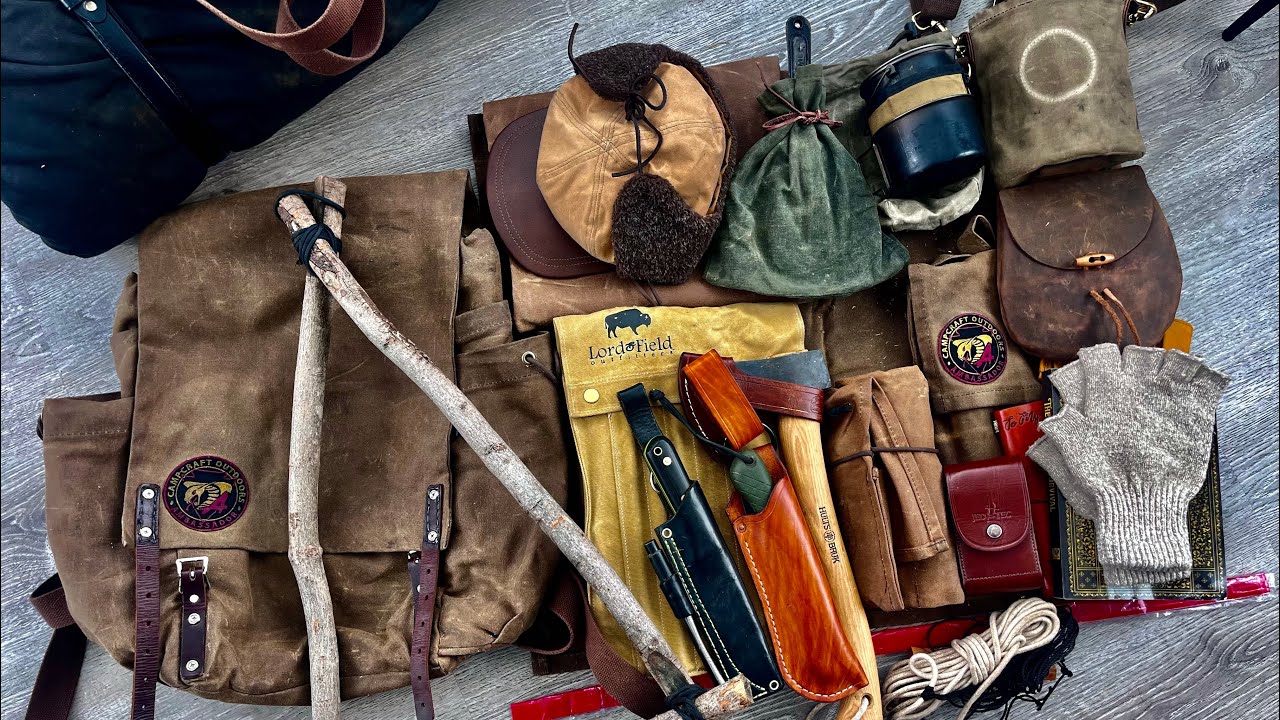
[(524, 223)]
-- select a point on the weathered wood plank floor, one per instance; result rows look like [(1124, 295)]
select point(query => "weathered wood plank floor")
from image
[(1209, 115)]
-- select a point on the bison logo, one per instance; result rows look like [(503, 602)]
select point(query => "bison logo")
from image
[(972, 350), (631, 318), (206, 493)]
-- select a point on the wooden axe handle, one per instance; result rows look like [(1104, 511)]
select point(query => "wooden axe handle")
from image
[(801, 441)]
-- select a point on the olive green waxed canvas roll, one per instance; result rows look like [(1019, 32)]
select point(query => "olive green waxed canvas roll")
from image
[(608, 351), (1056, 94), (800, 221)]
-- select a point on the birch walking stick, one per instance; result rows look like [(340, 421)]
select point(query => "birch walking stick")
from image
[(507, 467), (305, 553)]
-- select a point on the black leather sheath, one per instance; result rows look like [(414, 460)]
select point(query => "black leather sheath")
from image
[(696, 552)]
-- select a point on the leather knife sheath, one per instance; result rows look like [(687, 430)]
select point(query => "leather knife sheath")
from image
[(694, 548), (814, 655)]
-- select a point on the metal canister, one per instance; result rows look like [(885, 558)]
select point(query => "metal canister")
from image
[(925, 123)]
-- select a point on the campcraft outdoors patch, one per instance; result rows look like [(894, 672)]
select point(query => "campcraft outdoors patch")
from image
[(972, 349), (206, 493)]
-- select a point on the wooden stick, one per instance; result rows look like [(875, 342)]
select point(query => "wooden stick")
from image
[(801, 441), (507, 467), (305, 553)]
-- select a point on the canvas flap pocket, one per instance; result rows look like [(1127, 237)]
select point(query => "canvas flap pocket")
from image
[(959, 341), (219, 306)]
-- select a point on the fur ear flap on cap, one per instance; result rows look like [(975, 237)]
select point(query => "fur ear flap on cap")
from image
[(619, 71), (657, 237)]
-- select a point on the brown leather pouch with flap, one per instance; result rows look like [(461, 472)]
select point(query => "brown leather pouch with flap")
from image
[(1085, 259)]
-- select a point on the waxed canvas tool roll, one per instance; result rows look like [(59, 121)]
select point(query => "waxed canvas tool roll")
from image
[(1054, 81), (814, 655), (204, 343), (611, 350), (1049, 234), (961, 345), (890, 501)]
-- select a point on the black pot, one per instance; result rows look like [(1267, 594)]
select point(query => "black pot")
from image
[(930, 135)]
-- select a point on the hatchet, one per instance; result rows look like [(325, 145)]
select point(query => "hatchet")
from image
[(801, 439)]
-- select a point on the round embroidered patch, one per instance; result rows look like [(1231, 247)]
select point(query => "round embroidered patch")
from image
[(206, 493), (972, 349)]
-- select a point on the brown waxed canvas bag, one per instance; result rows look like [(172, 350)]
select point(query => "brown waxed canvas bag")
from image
[(205, 342), (1085, 259), (1054, 80)]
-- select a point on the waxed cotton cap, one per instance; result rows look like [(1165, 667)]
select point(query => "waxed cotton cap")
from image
[(650, 210)]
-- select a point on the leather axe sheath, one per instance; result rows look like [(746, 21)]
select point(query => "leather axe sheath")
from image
[(792, 386)]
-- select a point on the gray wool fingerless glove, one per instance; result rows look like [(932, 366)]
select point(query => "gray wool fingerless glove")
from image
[(1134, 447)]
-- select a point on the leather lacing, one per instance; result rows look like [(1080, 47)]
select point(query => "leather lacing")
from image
[(804, 117), (1115, 318)]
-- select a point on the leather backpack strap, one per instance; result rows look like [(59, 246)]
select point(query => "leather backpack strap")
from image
[(55, 688), (424, 574), (309, 46), (146, 599)]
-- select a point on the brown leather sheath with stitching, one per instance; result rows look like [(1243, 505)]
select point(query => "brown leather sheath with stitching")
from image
[(814, 656)]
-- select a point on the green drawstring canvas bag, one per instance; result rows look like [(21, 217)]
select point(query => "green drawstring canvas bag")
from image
[(799, 221)]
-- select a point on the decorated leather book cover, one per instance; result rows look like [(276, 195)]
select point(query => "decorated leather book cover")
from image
[(1076, 546)]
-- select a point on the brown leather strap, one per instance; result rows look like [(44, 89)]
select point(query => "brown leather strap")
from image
[(724, 401), (770, 395), (424, 573), (55, 688), (193, 585), (146, 598), (309, 46)]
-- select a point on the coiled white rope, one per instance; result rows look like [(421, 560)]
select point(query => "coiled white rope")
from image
[(979, 659)]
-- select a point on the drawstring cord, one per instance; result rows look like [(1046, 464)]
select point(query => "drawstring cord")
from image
[(805, 117), (1115, 318), (636, 104), (531, 360), (661, 397)]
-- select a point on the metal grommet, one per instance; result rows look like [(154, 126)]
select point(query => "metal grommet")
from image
[(666, 532), (432, 536), (591, 395), (527, 357), (145, 532), (193, 619), (657, 451), (194, 599), (994, 531), (148, 493), (773, 685), (193, 665), (434, 494)]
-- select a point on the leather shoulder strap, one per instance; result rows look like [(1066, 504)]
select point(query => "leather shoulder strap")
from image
[(55, 688)]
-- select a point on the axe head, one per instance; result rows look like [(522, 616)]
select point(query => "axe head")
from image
[(807, 368)]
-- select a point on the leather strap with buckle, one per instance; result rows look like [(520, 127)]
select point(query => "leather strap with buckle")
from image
[(193, 586), (424, 576)]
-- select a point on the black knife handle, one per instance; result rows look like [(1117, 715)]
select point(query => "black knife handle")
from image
[(798, 44), (673, 480)]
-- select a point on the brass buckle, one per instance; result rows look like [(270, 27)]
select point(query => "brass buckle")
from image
[(915, 20), (1144, 10)]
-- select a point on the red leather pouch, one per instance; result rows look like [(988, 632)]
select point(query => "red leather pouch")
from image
[(991, 508)]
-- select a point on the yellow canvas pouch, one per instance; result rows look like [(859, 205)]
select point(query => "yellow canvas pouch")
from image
[(610, 350)]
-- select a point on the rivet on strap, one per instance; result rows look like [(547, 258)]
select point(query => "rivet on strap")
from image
[(193, 585)]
